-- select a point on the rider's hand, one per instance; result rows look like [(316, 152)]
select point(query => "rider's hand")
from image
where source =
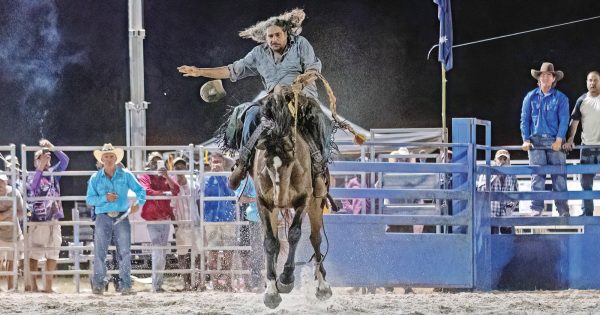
[(189, 71), (526, 146)]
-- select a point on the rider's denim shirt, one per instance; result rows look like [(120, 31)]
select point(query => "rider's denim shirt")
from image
[(298, 57)]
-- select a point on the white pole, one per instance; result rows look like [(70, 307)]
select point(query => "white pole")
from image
[(137, 106)]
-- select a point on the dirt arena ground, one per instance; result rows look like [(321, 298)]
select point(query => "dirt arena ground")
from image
[(300, 301)]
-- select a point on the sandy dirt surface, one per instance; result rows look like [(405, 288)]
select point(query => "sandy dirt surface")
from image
[(300, 301)]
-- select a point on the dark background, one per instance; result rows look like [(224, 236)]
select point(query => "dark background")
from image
[(65, 74)]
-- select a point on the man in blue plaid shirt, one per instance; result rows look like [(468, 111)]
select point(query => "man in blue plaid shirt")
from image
[(501, 183)]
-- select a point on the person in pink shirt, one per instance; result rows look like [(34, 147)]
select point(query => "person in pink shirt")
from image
[(158, 210)]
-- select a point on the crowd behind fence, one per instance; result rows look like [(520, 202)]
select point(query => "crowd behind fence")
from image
[(369, 167)]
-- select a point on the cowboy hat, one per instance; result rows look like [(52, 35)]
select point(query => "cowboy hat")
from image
[(212, 91), (108, 148), (547, 67)]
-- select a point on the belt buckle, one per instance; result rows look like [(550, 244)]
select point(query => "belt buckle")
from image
[(113, 214)]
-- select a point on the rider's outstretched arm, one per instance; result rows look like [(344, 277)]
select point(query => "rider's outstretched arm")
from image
[(213, 73)]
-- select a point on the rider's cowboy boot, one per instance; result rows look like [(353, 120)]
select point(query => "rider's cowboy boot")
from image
[(238, 173), (319, 186)]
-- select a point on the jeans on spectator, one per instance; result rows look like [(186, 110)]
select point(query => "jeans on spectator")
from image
[(103, 233), (159, 236), (588, 156), (538, 181)]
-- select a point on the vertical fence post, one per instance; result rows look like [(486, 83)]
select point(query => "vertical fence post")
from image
[(464, 130)]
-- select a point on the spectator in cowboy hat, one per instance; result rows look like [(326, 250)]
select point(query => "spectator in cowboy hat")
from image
[(544, 124), (107, 192)]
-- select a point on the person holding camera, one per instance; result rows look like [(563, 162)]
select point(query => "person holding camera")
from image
[(158, 210), (44, 240)]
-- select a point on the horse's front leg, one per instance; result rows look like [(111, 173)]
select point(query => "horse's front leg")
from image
[(271, 245), (316, 223), (285, 282)]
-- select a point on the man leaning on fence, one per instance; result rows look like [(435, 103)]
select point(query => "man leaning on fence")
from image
[(587, 110), (544, 123), (45, 239), (107, 192)]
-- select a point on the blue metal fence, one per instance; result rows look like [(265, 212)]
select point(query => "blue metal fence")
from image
[(466, 255)]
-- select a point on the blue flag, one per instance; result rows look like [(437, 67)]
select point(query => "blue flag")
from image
[(445, 48)]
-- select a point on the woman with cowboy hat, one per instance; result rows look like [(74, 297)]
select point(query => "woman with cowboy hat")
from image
[(544, 124), (107, 192)]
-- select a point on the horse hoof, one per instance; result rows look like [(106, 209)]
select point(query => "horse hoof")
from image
[(272, 300), (323, 294), (284, 288)]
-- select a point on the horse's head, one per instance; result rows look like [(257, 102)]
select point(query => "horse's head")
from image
[(278, 146)]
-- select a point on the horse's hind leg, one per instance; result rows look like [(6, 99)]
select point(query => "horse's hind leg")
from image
[(271, 244), (285, 282), (316, 222)]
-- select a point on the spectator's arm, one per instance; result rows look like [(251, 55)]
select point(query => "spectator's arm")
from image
[(34, 185), (92, 197), (137, 188), (563, 116), (173, 185), (63, 161), (526, 118), (146, 183)]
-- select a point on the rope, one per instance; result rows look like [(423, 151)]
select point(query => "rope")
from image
[(297, 86), (514, 34)]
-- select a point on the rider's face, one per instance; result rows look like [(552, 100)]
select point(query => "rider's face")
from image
[(276, 38)]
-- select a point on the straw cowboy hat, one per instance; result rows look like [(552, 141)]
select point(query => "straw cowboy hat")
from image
[(547, 67), (108, 148), (212, 91)]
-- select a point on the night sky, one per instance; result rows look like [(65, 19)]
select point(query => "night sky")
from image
[(65, 72)]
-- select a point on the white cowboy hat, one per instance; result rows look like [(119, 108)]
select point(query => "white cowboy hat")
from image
[(212, 91), (108, 148)]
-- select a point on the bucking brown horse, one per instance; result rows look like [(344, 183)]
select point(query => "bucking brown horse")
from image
[(282, 176)]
